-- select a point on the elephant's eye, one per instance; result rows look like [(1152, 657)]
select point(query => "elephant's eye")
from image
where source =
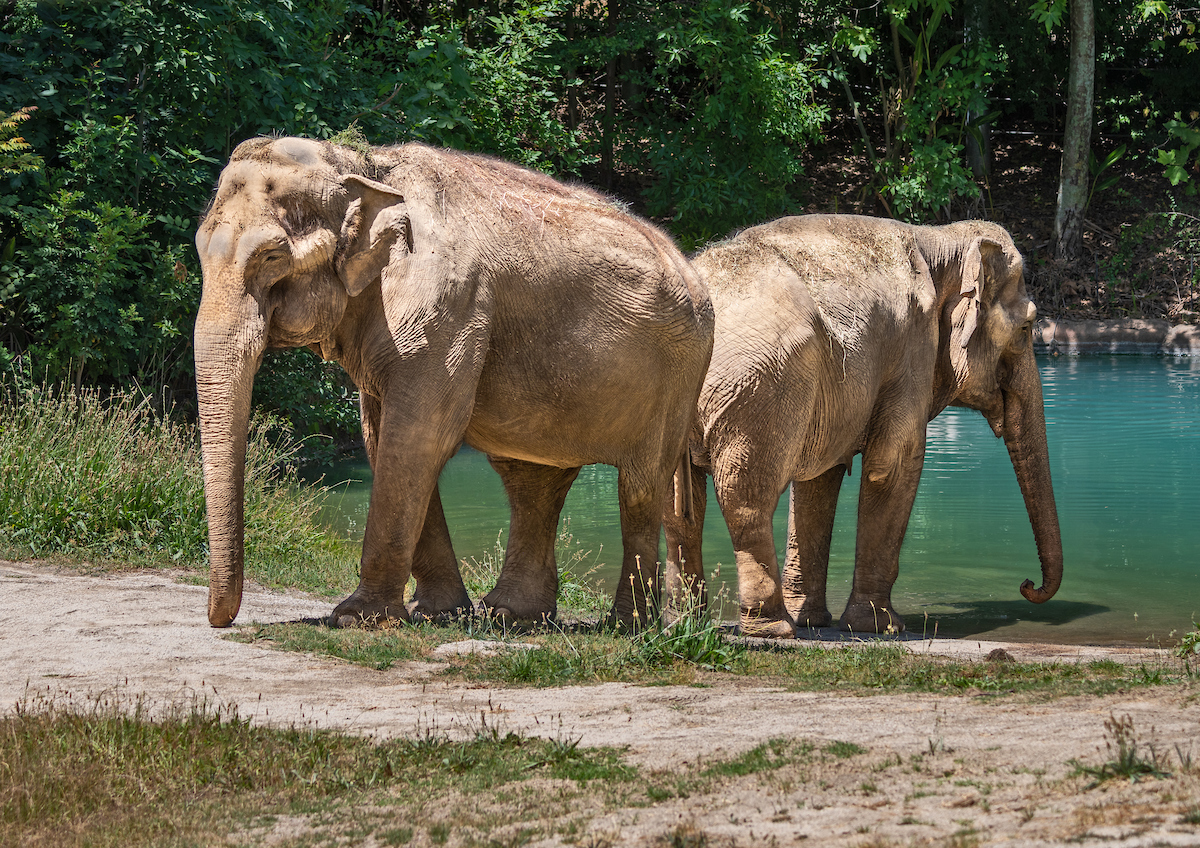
[(271, 264)]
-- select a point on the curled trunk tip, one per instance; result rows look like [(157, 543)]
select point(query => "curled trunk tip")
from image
[(1039, 595)]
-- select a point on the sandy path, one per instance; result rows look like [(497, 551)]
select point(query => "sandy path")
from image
[(995, 773)]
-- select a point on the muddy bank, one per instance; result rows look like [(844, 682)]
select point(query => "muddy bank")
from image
[(1144, 336)]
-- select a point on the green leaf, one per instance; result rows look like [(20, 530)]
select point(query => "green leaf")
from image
[(1176, 175)]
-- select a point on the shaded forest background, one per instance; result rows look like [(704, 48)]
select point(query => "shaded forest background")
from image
[(704, 115)]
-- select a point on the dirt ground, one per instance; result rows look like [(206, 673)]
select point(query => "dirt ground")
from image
[(949, 770)]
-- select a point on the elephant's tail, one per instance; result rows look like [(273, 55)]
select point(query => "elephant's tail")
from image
[(683, 486)]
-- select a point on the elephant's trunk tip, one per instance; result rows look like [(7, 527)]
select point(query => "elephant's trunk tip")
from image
[(222, 615), (1037, 596), (220, 619)]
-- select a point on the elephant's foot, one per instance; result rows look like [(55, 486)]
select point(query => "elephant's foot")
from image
[(812, 617), (418, 612), (807, 610), (627, 620), (514, 610), (868, 617), (361, 608), (427, 606), (763, 625)]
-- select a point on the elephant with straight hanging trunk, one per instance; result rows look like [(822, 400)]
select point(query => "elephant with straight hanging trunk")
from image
[(840, 335), (469, 300)]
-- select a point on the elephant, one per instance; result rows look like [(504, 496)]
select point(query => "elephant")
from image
[(839, 335), (469, 300)]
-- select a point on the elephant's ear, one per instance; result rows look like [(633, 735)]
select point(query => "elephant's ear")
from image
[(376, 221), (974, 288)]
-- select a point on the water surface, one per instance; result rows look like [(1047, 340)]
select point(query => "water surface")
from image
[(1124, 437)]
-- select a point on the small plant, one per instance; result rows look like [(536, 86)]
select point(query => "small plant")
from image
[(16, 155), (691, 639), (1189, 645), (685, 835), (844, 750), (1178, 160), (1127, 762), (1097, 167)]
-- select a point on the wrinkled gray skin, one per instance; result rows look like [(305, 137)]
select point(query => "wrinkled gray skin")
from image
[(840, 335), (469, 300)]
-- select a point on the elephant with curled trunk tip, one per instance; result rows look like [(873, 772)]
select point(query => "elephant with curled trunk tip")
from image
[(840, 335), (469, 300)]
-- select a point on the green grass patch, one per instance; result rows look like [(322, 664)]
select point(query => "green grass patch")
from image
[(844, 750), (549, 656), (888, 666), (772, 755), (584, 654), (378, 649)]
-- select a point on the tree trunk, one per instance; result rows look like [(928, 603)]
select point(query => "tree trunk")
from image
[(979, 147), (1077, 137), (610, 100), (572, 95)]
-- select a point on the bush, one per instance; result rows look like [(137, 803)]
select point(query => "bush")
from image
[(722, 123)]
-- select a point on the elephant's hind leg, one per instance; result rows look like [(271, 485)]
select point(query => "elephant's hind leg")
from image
[(527, 589), (760, 595), (439, 591), (635, 602), (810, 533), (684, 590)]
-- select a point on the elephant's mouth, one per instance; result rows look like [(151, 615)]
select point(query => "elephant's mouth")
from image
[(994, 408)]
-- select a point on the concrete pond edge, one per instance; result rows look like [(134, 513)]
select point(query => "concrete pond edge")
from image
[(1142, 336)]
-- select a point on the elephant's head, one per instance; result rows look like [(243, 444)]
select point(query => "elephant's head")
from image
[(987, 363), (295, 230)]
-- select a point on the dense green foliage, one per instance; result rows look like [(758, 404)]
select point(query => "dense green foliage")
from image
[(117, 116)]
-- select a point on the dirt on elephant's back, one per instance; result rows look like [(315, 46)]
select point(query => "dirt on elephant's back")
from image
[(850, 770)]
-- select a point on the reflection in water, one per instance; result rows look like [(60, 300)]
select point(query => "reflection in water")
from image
[(1124, 438)]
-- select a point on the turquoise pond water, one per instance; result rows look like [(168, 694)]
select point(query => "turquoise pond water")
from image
[(1124, 435)]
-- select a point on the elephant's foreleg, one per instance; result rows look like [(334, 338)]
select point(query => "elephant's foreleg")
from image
[(369, 410), (527, 589), (810, 533), (891, 472), (407, 461), (684, 589), (439, 588), (748, 513)]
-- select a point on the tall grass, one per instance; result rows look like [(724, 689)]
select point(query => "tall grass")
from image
[(89, 476)]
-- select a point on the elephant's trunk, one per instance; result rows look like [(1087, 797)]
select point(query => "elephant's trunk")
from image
[(226, 360), (1025, 437)]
